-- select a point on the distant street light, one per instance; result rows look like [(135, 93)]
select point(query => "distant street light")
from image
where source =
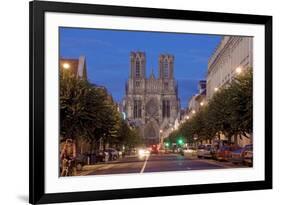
[(161, 131), (187, 117), (66, 66), (238, 70), (202, 103), (216, 89), (193, 111)]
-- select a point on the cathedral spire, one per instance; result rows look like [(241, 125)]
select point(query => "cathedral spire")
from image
[(138, 64), (166, 66)]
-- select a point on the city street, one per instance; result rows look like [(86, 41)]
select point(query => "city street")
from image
[(104, 115), (154, 163)]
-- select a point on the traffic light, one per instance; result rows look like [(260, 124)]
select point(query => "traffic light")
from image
[(180, 141)]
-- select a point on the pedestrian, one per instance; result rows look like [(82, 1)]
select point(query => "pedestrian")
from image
[(68, 156)]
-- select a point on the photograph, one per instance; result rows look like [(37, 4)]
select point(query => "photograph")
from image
[(139, 102), (133, 102)]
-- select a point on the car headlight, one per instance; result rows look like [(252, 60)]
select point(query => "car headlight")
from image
[(141, 152)]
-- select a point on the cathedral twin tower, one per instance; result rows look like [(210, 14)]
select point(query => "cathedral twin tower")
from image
[(152, 103)]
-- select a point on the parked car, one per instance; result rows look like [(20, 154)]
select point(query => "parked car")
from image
[(120, 153), (223, 153), (113, 153), (248, 158), (204, 151), (189, 152), (207, 153), (102, 156), (238, 156), (200, 151), (213, 152)]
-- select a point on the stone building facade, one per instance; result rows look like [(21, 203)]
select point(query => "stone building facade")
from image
[(76, 67), (151, 103), (198, 100), (234, 53), (232, 57)]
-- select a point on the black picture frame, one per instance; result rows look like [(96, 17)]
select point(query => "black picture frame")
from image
[(37, 10)]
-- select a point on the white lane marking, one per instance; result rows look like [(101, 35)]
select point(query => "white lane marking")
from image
[(143, 167)]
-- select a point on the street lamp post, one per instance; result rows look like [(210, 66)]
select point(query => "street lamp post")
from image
[(66, 67), (195, 139), (161, 138)]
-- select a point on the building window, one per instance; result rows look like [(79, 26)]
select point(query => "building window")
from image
[(137, 109), (137, 69), (166, 109), (166, 69)]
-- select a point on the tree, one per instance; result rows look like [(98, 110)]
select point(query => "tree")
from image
[(128, 136), (229, 112), (241, 92), (76, 116), (87, 112)]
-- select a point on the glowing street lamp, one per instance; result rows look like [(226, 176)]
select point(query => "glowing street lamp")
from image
[(216, 89), (66, 66), (187, 117), (238, 70), (193, 111), (202, 103), (161, 131)]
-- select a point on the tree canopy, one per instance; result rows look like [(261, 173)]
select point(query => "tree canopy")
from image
[(88, 112), (229, 112)]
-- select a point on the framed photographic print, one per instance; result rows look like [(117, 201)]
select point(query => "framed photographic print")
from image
[(130, 102)]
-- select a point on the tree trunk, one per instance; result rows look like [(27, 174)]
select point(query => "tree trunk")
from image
[(235, 139)]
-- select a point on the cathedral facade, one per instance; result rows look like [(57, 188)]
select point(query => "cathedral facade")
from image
[(152, 104)]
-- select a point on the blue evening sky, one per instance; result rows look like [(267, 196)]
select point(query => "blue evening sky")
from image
[(107, 55)]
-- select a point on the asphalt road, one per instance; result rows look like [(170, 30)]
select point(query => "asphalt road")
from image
[(154, 163)]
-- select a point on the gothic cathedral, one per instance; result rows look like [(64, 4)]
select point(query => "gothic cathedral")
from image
[(152, 104)]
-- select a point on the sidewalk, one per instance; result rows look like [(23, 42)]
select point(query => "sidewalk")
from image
[(92, 167)]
